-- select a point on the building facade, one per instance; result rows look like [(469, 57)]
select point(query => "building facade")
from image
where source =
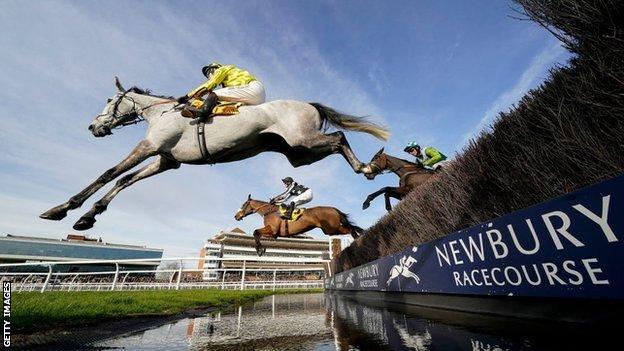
[(238, 248), (21, 249)]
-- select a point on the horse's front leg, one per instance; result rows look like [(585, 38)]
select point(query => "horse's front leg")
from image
[(265, 231), (140, 153), (162, 164), (392, 192), (372, 197)]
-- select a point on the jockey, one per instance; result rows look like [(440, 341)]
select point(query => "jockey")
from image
[(295, 195), (430, 157), (238, 86)]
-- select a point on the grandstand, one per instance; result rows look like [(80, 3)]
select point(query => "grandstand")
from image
[(237, 247), (17, 249)]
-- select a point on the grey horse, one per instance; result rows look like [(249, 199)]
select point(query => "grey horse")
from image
[(293, 128)]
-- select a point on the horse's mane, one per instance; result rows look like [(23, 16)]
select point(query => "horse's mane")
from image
[(138, 90), (406, 161)]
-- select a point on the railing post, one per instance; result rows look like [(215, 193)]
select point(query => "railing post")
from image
[(24, 282), (123, 281), (243, 275), (274, 278), (179, 276), (116, 276), (223, 280), (45, 284)]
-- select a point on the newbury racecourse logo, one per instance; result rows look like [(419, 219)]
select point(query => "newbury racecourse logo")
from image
[(402, 269), (349, 280)]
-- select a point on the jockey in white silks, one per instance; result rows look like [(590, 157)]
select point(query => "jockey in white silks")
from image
[(295, 195), (238, 86)]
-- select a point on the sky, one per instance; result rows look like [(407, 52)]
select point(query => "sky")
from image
[(436, 72)]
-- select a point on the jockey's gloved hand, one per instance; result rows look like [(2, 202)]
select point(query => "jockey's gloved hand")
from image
[(183, 99)]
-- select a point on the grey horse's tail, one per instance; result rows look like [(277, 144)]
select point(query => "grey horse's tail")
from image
[(347, 122), (345, 221)]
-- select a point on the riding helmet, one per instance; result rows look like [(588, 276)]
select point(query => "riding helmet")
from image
[(211, 67), (288, 180), (411, 145)]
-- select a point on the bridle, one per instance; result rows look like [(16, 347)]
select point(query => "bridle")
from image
[(136, 114), (378, 169), (256, 210)]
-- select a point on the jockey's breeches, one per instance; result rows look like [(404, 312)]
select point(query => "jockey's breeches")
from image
[(250, 94), (300, 199)]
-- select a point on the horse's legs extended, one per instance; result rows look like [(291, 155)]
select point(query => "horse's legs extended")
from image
[(321, 146), (139, 154), (372, 196), (156, 167), (266, 231), (392, 192)]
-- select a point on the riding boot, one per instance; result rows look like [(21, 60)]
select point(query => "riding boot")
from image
[(210, 102), (289, 211)]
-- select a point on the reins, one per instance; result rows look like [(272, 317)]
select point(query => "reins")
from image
[(136, 113)]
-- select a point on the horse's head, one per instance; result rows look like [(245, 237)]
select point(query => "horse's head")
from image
[(377, 164), (245, 210), (120, 110)]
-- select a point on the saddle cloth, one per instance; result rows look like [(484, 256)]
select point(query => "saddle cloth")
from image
[(295, 215), (225, 108)]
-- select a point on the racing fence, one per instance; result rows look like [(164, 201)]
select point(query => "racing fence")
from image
[(258, 273)]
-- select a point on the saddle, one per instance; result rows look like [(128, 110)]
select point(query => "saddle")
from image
[(295, 215), (225, 108)]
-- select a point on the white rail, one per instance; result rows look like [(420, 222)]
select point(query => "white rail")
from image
[(117, 280)]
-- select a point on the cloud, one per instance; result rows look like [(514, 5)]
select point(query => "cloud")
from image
[(57, 83), (531, 76)]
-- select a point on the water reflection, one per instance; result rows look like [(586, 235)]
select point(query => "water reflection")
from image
[(333, 322), (278, 322)]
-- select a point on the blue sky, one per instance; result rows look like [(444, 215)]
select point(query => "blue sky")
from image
[(436, 72)]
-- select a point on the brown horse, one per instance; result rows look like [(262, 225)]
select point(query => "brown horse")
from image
[(410, 175), (331, 221)]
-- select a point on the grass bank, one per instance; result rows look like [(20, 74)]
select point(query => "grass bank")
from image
[(34, 311)]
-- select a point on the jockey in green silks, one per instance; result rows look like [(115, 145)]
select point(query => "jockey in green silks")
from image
[(238, 86), (430, 157)]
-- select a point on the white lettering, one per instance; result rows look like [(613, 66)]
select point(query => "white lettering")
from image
[(587, 263), (497, 243), (454, 252), (574, 272), (551, 273), (602, 220), (563, 230), (473, 246), (514, 237), (442, 255), (518, 276)]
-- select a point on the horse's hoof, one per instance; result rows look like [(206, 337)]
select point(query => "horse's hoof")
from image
[(261, 252), (84, 223), (365, 205), (54, 214)]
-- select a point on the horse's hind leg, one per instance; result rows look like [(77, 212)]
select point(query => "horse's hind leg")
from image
[(320, 146), (140, 153), (162, 164)]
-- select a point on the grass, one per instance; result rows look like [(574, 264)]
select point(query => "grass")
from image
[(35, 311)]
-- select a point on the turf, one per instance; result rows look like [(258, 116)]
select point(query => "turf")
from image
[(35, 311)]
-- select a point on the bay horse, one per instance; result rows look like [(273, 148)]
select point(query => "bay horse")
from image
[(330, 220), (292, 128), (410, 175)]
